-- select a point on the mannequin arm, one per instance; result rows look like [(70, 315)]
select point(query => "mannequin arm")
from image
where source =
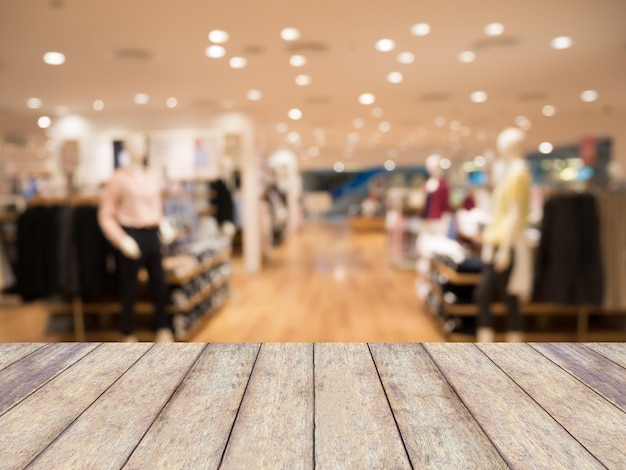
[(128, 246), (229, 229), (502, 258), (166, 231)]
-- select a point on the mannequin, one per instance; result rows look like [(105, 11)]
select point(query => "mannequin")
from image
[(503, 253), (131, 217)]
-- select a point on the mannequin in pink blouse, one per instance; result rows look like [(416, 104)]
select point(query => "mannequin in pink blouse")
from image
[(131, 217)]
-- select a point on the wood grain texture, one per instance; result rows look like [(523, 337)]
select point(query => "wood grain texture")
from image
[(524, 434), (604, 376), (22, 378), (437, 429), (354, 425), (195, 425), (596, 423), (34, 423), (274, 427), (105, 435), (616, 352), (13, 352)]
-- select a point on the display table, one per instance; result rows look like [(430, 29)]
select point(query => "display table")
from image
[(377, 406)]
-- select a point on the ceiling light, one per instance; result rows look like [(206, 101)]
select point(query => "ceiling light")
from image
[(440, 121), (294, 114), (406, 57), (293, 137), (290, 34), (215, 52), (367, 98), (54, 58), (465, 131), (395, 77), (445, 163), (339, 167), (303, 80), (33, 103), (546, 148), (98, 105), (384, 126), (478, 97), (385, 45), (218, 36), (141, 98), (562, 42), (377, 112), (281, 127), (61, 110), (318, 132), (171, 102), (353, 137), (479, 161), (588, 96), (390, 165), (358, 123), (297, 60), (314, 151), (254, 95), (237, 62), (455, 125), (420, 29), (467, 57), (494, 29), (523, 123), (548, 110), (44, 122)]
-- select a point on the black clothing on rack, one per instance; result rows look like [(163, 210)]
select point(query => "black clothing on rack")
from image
[(221, 199)]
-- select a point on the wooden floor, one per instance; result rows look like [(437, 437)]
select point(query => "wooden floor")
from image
[(325, 283), (305, 406)]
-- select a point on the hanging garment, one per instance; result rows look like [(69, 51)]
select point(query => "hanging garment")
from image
[(222, 201), (437, 202), (611, 206)]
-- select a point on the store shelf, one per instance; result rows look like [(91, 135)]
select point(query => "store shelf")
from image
[(198, 270), (461, 279), (196, 299)]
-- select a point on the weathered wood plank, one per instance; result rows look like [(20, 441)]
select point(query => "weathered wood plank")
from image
[(195, 424), (105, 435), (22, 378), (596, 423), (274, 427), (354, 425), (13, 352), (34, 423), (436, 427), (604, 376), (524, 434), (614, 351)]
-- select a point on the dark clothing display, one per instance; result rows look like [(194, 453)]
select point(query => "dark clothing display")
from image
[(437, 202), (150, 247), (568, 265), (493, 286), (222, 200)]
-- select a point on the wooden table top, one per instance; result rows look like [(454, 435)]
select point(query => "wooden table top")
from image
[(301, 406)]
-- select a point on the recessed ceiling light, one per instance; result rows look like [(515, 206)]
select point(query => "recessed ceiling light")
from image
[(218, 36), (390, 165), (445, 163), (479, 161), (367, 98), (523, 123), (562, 42), (254, 95), (377, 112), (44, 122), (339, 167), (314, 151), (478, 97), (546, 148), (297, 60), (353, 137), (290, 34), (294, 114), (406, 57), (384, 126), (215, 52), (455, 125), (420, 29), (358, 123), (237, 62), (467, 57), (33, 103), (61, 110), (440, 121), (98, 105), (171, 102), (54, 58), (395, 77), (281, 127), (548, 110), (293, 137), (385, 45), (494, 29), (141, 98), (303, 80), (589, 96)]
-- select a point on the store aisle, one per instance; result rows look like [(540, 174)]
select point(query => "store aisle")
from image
[(325, 284)]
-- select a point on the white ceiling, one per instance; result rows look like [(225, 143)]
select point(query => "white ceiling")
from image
[(519, 70)]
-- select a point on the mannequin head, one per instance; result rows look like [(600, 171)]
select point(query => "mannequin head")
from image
[(135, 147), (510, 143), (433, 166)]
